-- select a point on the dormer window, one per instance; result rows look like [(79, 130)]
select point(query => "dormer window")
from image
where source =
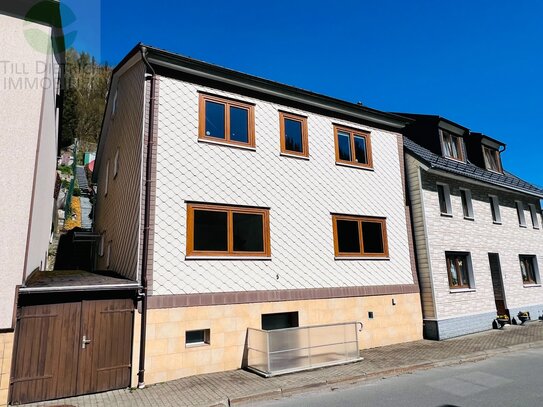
[(452, 146), (492, 159)]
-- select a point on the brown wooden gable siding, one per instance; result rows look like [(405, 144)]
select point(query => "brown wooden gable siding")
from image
[(118, 213)]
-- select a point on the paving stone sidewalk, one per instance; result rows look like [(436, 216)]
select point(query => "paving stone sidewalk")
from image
[(242, 387)]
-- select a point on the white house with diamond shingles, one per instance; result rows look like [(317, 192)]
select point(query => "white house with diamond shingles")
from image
[(268, 207), (477, 230)]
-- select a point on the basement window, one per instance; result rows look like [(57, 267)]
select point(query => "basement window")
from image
[(280, 320), (198, 337)]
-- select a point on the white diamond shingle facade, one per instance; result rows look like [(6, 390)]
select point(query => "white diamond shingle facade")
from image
[(301, 195)]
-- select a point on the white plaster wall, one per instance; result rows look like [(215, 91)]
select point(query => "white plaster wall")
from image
[(20, 120), (300, 193), (42, 213), (480, 237)]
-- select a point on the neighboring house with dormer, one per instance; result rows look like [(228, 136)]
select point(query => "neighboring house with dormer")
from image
[(241, 203), (479, 242)]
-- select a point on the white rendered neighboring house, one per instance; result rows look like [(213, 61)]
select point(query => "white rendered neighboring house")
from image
[(266, 203), (30, 77), (477, 227)]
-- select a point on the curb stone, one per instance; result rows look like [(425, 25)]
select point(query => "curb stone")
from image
[(397, 371)]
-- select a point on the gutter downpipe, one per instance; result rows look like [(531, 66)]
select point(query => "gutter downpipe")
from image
[(146, 228)]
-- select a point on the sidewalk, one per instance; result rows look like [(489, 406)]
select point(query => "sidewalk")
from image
[(241, 387)]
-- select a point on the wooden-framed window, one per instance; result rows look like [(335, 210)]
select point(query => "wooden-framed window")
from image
[(353, 147), (520, 214), (458, 270), (226, 121), (229, 231), (444, 197), (529, 269), (451, 145), (467, 204), (495, 209), (533, 214), (293, 130), (359, 236), (492, 159)]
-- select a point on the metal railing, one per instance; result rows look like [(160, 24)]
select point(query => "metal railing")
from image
[(288, 350)]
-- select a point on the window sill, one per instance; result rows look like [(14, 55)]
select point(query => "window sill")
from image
[(531, 285), (496, 223), (196, 345), (536, 228), (469, 218), (523, 226), (360, 258), (226, 144), (301, 157), (360, 167), (461, 290), (446, 215), (265, 258)]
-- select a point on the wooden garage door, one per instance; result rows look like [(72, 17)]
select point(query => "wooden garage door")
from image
[(70, 349)]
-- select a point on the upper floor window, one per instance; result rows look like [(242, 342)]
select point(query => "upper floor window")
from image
[(520, 214), (359, 236), (467, 205), (529, 270), (452, 145), (227, 121), (293, 134), (492, 159), (116, 164), (353, 147), (444, 196), (218, 230), (106, 180), (459, 270), (115, 101), (533, 214), (495, 209)]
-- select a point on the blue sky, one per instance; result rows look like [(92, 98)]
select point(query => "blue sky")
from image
[(477, 63)]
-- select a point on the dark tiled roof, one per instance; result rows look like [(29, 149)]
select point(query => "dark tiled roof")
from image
[(506, 180)]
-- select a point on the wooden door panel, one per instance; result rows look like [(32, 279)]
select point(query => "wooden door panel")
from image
[(105, 363), (45, 360)]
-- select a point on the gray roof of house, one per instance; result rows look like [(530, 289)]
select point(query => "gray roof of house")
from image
[(467, 169)]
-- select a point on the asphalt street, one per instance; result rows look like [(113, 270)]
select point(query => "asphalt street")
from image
[(512, 379)]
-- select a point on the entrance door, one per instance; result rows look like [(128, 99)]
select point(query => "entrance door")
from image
[(497, 283), (68, 349)]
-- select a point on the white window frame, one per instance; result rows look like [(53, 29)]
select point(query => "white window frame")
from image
[(207, 338), (108, 255), (101, 243), (106, 181), (469, 204), (533, 214), (447, 197), (520, 214), (495, 203), (116, 163)]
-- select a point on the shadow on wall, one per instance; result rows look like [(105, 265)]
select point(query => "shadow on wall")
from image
[(73, 255)]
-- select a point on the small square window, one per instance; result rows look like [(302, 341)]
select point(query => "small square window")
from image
[(452, 146), (226, 121), (444, 196), (533, 214), (495, 209), (116, 164), (459, 270), (353, 147), (280, 320), (198, 337), (520, 214), (293, 129), (467, 204), (529, 270), (492, 159)]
